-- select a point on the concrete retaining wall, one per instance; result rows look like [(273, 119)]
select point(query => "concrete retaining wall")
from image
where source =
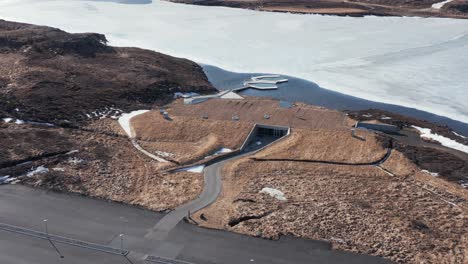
[(378, 127), (254, 130)]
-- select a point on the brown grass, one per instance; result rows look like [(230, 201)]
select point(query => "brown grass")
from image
[(188, 137), (337, 145), (253, 110), (106, 166), (360, 209)]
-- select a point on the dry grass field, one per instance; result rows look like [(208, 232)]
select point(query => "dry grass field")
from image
[(254, 109), (196, 131), (188, 138), (359, 209), (393, 211), (99, 165), (337, 145)]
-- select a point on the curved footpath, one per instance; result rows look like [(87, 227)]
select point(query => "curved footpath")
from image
[(211, 190)]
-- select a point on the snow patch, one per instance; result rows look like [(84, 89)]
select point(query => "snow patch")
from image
[(38, 170), (194, 169), (458, 135), (21, 122), (218, 152), (164, 154), (72, 152), (106, 112), (447, 142), (222, 151), (279, 195), (3, 178), (75, 161), (124, 121), (337, 240), (185, 95), (7, 179), (464, 183), (435, 174), (440, 4)]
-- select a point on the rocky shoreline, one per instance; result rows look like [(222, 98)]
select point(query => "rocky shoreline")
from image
[(353, 8)]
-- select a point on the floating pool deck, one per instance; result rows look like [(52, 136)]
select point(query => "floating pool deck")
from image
[(262, 82)]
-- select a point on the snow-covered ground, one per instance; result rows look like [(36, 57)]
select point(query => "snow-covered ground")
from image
[(222, 151), (21, 122), (124, 121), (435, 174), (38, 170), (194, 169), (458, 135), (415, 62), (7, 179), (447, 142), (275, 193), (440, 4)]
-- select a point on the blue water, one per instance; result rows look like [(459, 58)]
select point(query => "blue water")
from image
[(299, 90)]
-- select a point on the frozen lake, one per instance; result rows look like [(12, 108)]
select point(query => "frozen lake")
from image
[(414, 62), (298, 90)]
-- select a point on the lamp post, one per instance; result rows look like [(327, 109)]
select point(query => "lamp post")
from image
[(50, 241), (46, 228)]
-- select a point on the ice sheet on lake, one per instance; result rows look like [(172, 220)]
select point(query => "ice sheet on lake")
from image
[(447, 142), (415, 62)]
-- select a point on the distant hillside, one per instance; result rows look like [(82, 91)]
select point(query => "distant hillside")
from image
[(50, 75), (423, 8)]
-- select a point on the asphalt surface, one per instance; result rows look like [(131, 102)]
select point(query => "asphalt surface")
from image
[(211, 190), (101, 222)]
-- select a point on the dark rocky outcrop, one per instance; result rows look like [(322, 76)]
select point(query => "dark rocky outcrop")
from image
[(50, 75)]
